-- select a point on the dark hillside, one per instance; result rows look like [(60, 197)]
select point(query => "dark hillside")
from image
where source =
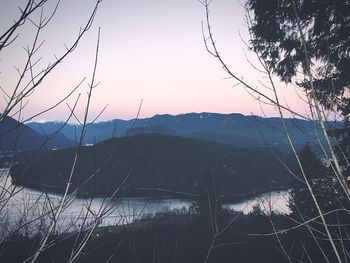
[(227, 138), (150, 129), (153, 161)]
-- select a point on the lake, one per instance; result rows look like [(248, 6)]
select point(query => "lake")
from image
[(19, 205)]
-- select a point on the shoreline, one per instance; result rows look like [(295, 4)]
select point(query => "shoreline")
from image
[(153, 193)]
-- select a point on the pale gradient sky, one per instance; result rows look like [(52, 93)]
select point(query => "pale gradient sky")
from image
[(150, 49)]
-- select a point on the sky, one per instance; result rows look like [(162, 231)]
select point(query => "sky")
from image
[(150, 51)]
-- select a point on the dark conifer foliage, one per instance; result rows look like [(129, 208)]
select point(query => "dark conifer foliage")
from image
[(326, 25), (331, 200), (301, 203), (326, 28)]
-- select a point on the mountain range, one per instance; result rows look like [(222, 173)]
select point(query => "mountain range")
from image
[(234, 129)]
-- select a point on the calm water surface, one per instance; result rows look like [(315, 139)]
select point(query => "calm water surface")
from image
[(35, 208)]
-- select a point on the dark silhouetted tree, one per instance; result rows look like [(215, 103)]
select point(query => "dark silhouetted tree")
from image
[(326, 23), (324, 186), (208, 202), (312, 36)]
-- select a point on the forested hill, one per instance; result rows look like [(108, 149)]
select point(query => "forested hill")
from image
[(153, 161)]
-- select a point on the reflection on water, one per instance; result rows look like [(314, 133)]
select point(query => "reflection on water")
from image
[(276, 201), (35, 208)]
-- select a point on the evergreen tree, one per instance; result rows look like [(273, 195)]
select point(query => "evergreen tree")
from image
[(323, 184), (327, 28)]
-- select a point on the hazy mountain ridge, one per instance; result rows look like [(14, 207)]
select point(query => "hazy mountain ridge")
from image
[(20, 137), (225, 128)]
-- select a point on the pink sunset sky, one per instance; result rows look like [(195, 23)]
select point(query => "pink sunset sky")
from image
[(149, 50)]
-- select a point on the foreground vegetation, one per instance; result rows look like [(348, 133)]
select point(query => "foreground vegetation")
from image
[(180, 236)]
